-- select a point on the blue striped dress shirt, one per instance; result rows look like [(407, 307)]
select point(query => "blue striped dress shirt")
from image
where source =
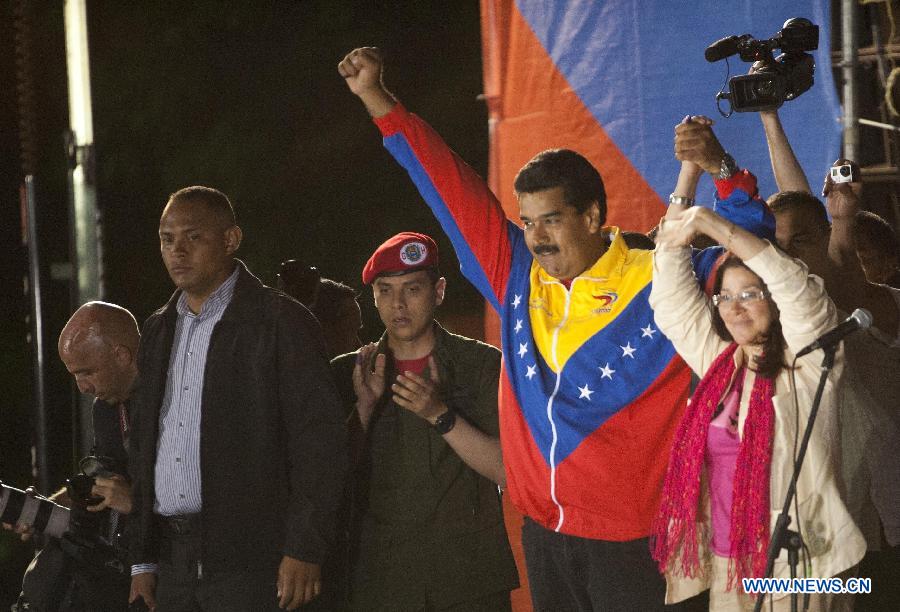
[(178, 451)]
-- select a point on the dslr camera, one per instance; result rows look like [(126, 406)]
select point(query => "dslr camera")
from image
[(775, 79), (51, 519), (39, 513), (83, 566)]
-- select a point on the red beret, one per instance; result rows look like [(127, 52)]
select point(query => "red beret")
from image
[(400, 254)]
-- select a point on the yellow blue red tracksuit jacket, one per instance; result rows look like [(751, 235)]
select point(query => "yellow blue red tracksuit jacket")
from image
[(590, 389)]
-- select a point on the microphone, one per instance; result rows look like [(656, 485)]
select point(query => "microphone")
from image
[(724, 47), (860, 319)]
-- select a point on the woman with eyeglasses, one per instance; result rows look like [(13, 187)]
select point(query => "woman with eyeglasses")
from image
[(732, 458)]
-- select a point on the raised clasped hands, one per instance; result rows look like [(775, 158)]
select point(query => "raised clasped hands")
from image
[(680, 226), (695, 142)]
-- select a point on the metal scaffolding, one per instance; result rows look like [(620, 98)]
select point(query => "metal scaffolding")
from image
[(85, 226)]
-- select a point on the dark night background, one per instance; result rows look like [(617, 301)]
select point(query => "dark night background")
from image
[(244, 97), (241, 96)]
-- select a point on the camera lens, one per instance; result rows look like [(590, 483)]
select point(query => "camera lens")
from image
[(844, 170), (764, 88), (79, 488), (41, 514)]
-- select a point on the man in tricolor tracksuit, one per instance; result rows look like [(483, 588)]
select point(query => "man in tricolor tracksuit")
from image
[(590, 390)]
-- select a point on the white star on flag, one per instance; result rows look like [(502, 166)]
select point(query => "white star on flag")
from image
[(648, 331), (516, 301), (585, 392), (627, 350), (606, 372), (523, 348), (532, 371), (518, 327)]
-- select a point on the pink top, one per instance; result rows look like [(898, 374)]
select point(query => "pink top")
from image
[(722, 444)]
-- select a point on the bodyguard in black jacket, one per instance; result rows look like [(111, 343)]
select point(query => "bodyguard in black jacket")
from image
[(271, 438)]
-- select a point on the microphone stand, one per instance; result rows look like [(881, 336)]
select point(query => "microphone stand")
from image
[(782, 537)]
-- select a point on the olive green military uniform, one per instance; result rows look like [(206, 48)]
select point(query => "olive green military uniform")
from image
[(428, 531)]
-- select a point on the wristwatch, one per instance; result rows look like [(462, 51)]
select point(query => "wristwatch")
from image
[(681, 200), (727, 167), (444, 423)]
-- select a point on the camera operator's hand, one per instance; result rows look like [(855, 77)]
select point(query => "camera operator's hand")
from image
[(695, 142), (755, 68), (362, 69), (843, 199), (758, 67), (419, 395), (116, 494), (368, 384), (143, 586), (299, 582), (25, 531)]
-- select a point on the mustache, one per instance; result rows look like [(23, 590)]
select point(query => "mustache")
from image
[(546, 249)]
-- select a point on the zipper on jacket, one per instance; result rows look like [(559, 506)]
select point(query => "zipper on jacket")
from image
[(552, 397)]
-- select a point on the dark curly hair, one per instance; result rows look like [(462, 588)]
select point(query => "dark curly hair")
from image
[(771, 362)]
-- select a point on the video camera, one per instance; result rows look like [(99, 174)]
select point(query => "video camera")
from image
[(774, 80)]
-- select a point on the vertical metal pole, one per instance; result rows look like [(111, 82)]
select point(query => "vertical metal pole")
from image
[(36, 336), (888, 136), (84, 217), (849, 44)]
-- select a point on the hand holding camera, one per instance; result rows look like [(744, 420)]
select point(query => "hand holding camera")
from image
[(114, 492), (843, 189), (99, 486), (843, 174)]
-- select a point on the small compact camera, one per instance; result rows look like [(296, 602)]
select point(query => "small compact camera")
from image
[(843, 174)]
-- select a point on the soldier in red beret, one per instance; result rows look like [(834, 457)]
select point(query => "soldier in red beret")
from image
[(427, 528)]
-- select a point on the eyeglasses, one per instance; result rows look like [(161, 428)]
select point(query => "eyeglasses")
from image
[(721, 299)]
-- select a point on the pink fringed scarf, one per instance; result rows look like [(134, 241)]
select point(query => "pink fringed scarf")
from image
[(675, 528)]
